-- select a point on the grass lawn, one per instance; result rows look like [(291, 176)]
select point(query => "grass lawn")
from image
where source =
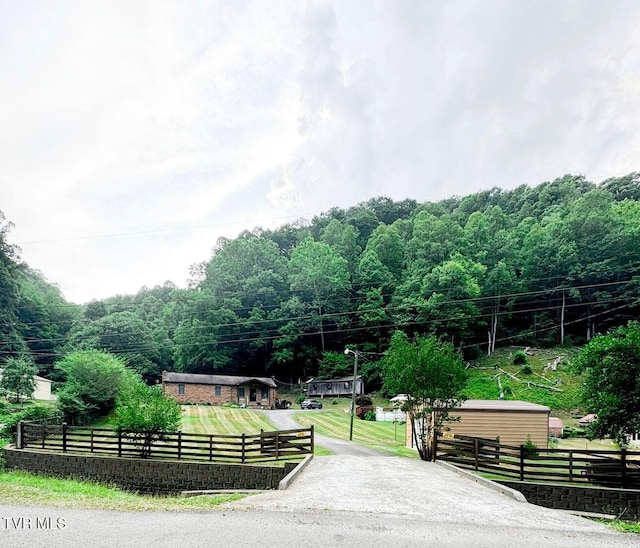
[(384, 436), (209, 419), (23, 489)]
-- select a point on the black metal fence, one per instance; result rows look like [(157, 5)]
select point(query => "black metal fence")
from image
[(603, 468), (265, 446)]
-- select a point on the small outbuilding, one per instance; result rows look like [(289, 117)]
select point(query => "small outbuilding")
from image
[(586, 420), (556, 427), (512, 421), (218, 389)]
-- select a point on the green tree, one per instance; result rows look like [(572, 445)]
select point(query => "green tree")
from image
[(321, 278), (17, 378), (144, 413), (122, 333), (332, 365), (433, 376), (612, 386), (93, 379)]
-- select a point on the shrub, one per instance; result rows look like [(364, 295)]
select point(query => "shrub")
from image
[(370, 416), (530, 448), (300, 399), (31, 413), (519, 358), (526, 369)]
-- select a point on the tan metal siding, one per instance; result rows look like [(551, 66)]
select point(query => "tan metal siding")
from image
[(511, 426)]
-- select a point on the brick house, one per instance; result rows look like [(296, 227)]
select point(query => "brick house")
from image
[(218, 389)]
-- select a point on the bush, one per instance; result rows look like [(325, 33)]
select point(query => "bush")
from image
[(300, 399), (519, 358), (370, 416), (530, 448), (526, 370), (31, 413)]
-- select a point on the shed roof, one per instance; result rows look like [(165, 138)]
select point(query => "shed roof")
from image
[(224, 380), (503, 405)]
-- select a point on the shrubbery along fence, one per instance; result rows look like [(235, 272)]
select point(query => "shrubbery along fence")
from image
[(244, 448)]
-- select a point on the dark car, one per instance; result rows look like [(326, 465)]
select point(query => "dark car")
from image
[(283, 404), (310, 404)]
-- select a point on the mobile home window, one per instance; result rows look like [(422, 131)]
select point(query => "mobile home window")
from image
[(181, 389), (265, 394), (218, 390), (241, 392)]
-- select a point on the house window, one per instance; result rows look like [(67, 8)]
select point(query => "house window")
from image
[(218, 390), (265, 393), (181, 389), (241, 392)]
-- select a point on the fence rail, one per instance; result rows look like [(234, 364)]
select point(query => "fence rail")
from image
[(588, 467), (244, 448)]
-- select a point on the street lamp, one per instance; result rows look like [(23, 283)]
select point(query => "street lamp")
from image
[(353, 387)]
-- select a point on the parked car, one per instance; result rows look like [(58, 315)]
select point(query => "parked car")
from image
[(283, 404), (310, 404)]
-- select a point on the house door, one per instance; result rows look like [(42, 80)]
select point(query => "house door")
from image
[(252, 394)]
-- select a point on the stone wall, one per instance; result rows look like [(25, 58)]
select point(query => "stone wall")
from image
[(601, 500), (148, 476)]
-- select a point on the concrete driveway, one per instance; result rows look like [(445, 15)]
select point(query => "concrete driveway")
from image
[(283, 419)]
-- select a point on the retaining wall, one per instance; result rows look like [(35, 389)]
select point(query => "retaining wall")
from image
[(146, 475), (602, 500)]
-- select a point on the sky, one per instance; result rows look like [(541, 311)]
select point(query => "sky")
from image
[(134, 134)]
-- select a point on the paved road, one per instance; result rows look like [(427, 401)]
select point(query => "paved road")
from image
[(345, 499), (338, 501), (283, 419)]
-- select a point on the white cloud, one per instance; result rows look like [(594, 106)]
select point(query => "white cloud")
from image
[(155, 117)]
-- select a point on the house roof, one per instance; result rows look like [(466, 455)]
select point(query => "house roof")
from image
[(503, 405), (555, 422), (224, 380), (339, 379)]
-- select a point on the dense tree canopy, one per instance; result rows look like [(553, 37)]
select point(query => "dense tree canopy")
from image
[(553, 264)]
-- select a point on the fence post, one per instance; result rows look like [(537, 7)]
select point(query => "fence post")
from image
[(92, 440), (623, 467), (243, 446), (43, 431), (20, 435), (119, 443), (522, 463), (312, 440), (179, 444), (476, 449), (210, 447), (64, 437), (277, 445), (570, 466)]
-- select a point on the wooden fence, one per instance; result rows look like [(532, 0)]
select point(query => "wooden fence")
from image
[(265, 446), (602, 468)]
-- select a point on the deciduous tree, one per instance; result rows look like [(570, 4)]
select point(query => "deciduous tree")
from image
[(612, 386), (433, 376)]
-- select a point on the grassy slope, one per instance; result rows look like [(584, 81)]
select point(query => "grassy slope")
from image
[(566, 404)]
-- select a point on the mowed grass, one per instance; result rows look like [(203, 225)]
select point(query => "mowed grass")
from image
[(383, 436), (223, 421)]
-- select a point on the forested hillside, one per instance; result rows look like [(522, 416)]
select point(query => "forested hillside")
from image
[(537, 266)]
